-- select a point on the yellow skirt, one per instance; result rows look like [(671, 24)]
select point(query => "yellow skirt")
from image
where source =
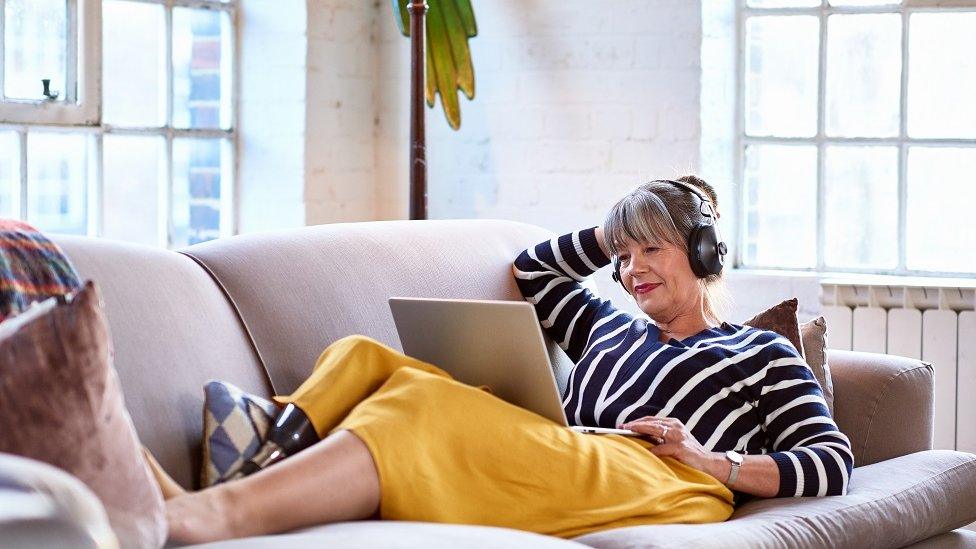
[(449, 452)]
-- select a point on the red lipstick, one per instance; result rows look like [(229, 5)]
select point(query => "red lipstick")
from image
[(645, 287)]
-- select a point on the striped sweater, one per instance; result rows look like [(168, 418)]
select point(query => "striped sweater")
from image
[(734, 387)]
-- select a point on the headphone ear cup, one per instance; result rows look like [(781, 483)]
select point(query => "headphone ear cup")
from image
[(707, 251), (695, 251)]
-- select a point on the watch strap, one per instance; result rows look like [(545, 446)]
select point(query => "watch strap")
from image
[(734, 474)]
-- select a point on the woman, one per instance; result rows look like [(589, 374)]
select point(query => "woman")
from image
[(402, 440)]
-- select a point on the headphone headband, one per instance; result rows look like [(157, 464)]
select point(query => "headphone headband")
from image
[(697, 192)]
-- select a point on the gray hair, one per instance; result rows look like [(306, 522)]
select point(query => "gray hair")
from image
[(660, 212)]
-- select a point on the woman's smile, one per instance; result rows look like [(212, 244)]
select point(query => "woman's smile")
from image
[(645, 287)]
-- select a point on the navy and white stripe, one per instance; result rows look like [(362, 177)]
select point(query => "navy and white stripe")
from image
[(734, 387)]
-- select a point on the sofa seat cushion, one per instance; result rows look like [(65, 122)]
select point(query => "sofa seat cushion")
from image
[(893, 503), (396, 535), (956, 539)]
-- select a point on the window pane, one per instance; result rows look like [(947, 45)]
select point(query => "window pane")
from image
[(134, 89), (942, 75), (9, 174), (781, 75), (134, 178), (940, 235), (35, 45), (201, 65), (861, 207), (783, 3), (57, 172), (781, 206), (863, 75), (199, 168)]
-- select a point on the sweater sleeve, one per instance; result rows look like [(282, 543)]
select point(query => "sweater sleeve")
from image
[(549, 275), (814, 458)]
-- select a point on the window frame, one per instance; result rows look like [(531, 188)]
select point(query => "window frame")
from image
[(821, 141), (39, 117), (82, 94)]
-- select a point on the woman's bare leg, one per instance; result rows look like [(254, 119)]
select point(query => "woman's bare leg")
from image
[(333, 480)]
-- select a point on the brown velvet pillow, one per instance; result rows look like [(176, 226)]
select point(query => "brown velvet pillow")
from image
[(809, 339), (60, 403), (782, 320)]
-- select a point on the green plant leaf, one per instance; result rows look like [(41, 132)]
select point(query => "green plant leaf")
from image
[(402, 16), (449, 67), (444, 66), (458, 40), (467, 17)]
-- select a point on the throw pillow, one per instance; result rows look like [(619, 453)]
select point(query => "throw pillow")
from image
[(808, 339), (781, 319), (235, 424), (814, 334), (32, 268), (60, 403)]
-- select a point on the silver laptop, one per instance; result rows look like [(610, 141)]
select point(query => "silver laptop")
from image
[(494, 343)]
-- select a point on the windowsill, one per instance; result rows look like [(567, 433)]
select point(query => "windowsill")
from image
[(858, 279)]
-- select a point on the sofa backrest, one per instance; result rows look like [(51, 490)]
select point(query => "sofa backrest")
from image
[(238, 307), (173, 330), (299, 290)]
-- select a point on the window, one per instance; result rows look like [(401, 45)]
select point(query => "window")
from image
[(155, 163), (857, 135), (42, 48)]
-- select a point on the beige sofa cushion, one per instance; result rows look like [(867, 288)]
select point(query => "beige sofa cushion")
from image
[(299, 290), (889, 504), (814, 336), (173, 329), (883, 403), (390, 534)]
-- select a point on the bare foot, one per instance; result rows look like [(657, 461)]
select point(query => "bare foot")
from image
[(200, 517)]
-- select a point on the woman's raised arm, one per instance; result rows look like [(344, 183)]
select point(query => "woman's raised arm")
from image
[(549, 276)]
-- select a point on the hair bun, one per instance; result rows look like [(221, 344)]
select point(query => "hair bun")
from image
[(704, 187)]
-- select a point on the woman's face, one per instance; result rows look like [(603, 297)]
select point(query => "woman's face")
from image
[(660, 278)]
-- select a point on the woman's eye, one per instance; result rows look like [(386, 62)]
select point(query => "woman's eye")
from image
[(624, 258), (650, 249)]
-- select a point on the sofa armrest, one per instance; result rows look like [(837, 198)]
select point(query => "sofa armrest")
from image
[(883, 403), (43, 506)]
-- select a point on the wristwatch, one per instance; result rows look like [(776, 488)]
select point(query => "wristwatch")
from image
[(735, 459)]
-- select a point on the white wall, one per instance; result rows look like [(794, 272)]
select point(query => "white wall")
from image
[(271, 172), (307, 113), (340, 178), (575, 103)]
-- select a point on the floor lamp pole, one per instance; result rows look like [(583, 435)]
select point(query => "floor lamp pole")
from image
[(418, 147)]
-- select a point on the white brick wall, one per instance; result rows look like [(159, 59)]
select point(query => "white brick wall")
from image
[(575, 103), (340, 143)]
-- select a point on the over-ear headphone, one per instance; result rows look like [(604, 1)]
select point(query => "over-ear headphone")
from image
[(706, 250)]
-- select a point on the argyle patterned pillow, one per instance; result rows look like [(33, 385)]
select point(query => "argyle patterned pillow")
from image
[(235, 424)]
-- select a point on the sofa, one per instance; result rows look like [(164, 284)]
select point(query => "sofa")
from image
[(256, 310)]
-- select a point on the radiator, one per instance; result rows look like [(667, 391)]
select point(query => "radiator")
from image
[(919, 319)]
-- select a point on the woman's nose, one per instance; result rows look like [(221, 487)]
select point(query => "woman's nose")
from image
[(638, 266)]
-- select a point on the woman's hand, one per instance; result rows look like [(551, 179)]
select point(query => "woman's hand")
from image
[(674, 440)]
